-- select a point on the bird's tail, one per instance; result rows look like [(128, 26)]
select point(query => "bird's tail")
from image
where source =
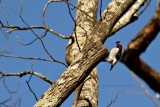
[(111, 67)]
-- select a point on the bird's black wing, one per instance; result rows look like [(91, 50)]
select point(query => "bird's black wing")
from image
[(118, 56)]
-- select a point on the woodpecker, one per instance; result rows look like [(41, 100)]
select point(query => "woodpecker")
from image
[(115, 54)]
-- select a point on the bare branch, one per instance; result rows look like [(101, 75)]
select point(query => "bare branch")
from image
[(31, 90), (131, 55), (21, 74), (10, 93), (1, 23), (147, 4), (129, 17), (92, 54), (27, 81), (27, 58), (70, 13), (42, 36), (31, 27), (13, 28), (113, 101), (4, 13), (44, 10), (6, 43), (21, 8), (32, 71), (145, 90), (80, 10), (100, 12), (86, 94), (125, 92), (76, 38), (50, 54)]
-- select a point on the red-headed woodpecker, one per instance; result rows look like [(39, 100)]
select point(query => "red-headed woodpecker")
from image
[(115, 54)]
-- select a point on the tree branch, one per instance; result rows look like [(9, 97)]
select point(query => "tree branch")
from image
[(73, 76), (92, 54), (87, 92), (113, 101), (4, 13), (129, 17), (34, 27), (137, 46), (20, 57), (145, 90), (44, 10), (10, 93), (21, 74)]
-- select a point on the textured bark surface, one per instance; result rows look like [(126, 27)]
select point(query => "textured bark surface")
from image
[(137, 46), (73, 76), (110, 16), (88, 90), (83, 24), (92, 53), (129, 17)]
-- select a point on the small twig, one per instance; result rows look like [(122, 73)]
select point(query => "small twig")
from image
[(25, 23), (27, 72), (50, 54), (145, 90), (74, 27), (44, 10), (39, 39), (100, 10), (21, 8), (31, 90), (32, 71), (27, 81), (147, 4), (32, 40), (125, 92), (44, 25), (1, 23), (80, 10), (4, 13), (10, 93), (76, 38), (83, 29), (70, 13), (13, 28), (113, 101), (6, 43), (27, 58)]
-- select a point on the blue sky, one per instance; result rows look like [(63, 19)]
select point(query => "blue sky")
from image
[(58, 19)]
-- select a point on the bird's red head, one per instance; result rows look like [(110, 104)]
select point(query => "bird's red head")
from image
[(119, 45)]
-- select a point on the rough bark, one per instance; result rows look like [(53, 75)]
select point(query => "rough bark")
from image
[(129, 17), (92, 53), (131, 55), (87, 93), (73, 76)]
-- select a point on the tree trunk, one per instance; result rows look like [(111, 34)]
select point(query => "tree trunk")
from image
[(131, 55), (92, 53), (87, 93)]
